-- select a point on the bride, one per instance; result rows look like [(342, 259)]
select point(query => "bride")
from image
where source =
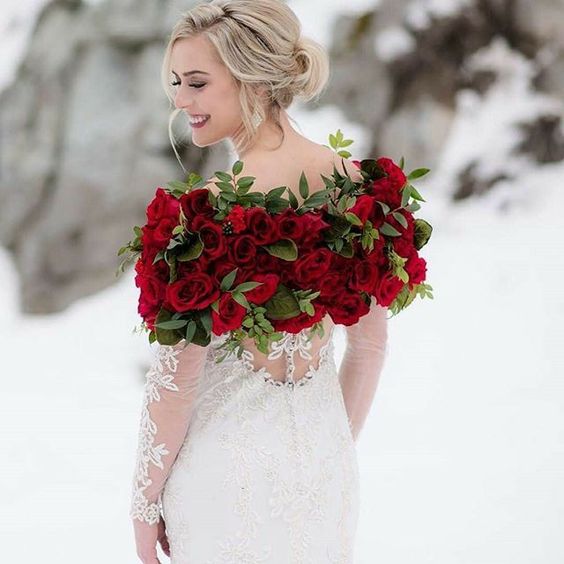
[(253, 459)]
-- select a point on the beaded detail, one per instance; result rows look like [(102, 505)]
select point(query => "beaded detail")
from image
[(289, 344)]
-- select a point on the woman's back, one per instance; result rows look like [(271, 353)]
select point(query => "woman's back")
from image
[(292, 357)]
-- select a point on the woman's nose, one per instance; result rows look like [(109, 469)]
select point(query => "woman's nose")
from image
[(181, 100)]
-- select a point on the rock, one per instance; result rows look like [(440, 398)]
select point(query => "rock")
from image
[(84, 145)]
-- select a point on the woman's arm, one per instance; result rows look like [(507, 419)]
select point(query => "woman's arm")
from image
[(362, 364), (168, 402)]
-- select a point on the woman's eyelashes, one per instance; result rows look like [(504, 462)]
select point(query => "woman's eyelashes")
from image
[(191, 85)]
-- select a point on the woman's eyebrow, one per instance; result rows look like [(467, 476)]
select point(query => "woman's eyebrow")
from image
[(192, 72)]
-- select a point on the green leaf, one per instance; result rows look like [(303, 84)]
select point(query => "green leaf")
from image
[(206, 320), (193, 251), (402, 163), (158, 257), (276, 192), (317, 198), (228, 280), (225, 187), (405, 195), (416, 195), (401, 219), (246, 286), (237, 168), (283, 304), (293, 200), (166, 336), (422, 233), (223, 176), (333, 141), (172, 324), (240, 298), (418, 173), (353, 218), (190, 331), (177, 185), (304, 187), (285, 249), (346, 249), (389, 230), (229, 196), (245, 181)]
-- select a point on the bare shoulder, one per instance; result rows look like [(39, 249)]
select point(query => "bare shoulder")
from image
[(317, 161), (331, 159)]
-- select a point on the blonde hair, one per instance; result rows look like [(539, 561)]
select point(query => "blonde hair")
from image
[(261, 43)]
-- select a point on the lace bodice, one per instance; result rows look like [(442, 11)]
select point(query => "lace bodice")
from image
[(179, 373), (291, 361)]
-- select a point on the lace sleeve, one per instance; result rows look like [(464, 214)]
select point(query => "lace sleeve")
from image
[(362, 364), (168, 402)]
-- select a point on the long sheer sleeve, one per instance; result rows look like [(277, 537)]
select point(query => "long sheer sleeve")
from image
[(168, 402), (362, 364)]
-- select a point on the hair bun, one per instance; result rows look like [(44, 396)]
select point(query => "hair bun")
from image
[(313, 68)]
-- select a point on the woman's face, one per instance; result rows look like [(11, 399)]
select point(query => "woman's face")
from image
[(212, 91)]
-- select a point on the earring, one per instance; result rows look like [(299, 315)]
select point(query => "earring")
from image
[(256, 119)]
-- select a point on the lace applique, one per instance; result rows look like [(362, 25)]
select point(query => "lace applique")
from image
[(289, 344), (160, 375)]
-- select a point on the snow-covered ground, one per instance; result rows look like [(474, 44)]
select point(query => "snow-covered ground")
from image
[(462, 457)]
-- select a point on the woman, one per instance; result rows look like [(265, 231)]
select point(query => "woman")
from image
[(253, 459)]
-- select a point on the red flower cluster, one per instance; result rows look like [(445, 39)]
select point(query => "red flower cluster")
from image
[(238, 241)]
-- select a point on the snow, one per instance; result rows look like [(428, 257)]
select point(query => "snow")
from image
[(419, 13), (462, 456), (393, 42)]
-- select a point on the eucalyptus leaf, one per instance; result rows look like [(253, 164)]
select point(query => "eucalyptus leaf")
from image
[(237, 167), (418, 173), (389, 230), (284, 248), (223, 176), (283, 304), (228, 280), (304, 187)]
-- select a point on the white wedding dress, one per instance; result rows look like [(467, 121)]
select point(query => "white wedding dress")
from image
[(253, 459)]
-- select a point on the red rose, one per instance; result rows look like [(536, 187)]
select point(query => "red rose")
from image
[(196, 203), (406, 232), (290, 224), (363, 207), (311, 267), (301, 321), (261, 226), (332, 283), (242, 250), (388, 288), (387, 189), (162, 206), (237, 218), (402, 246), (348, 309), (196, 291), (265, 291), (416, 267), (364, 276), (212, 236), (313, 225), (265, 262), (230, 316)]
